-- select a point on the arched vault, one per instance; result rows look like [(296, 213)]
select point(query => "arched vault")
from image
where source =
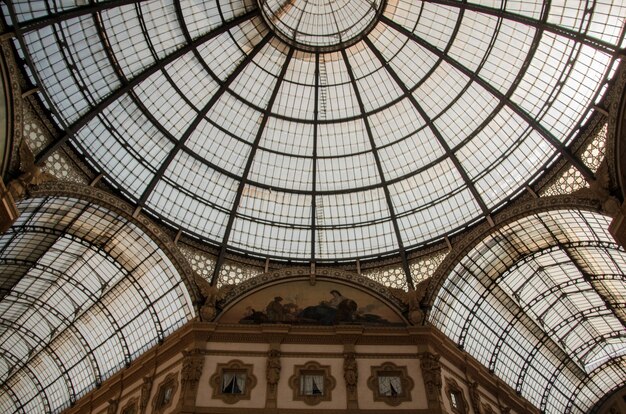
[(85, 290), (540, 302)]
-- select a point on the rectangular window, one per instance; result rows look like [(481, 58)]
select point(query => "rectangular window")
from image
[(456, 401), (312, 384), (389, 386), (233, 382)]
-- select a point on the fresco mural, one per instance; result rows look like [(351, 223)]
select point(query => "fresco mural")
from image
[(323, 304)]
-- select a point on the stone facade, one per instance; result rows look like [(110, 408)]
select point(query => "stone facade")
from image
[(193, 355)]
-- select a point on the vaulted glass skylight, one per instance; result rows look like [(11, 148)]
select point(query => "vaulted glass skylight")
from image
[(319, 130), (84, 293), (540, 302)]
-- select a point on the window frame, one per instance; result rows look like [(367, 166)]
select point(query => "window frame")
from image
[(312, 368), (389, 369), (170, 382), (217, 381), (454, 389)]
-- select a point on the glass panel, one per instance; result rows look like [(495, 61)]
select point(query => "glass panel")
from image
[(538, 303), (85, 300)]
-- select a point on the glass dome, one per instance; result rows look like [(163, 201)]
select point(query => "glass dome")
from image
[(319, 130), (320, 24)]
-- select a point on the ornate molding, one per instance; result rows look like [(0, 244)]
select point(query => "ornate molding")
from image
[(615, 103), (456, 397), (487, 409), (431, 373), (112, 407), (122, 208), (475, 398), (15, 104), (351, 377), (193, 362), (272, 375), (144, 396), (131, 407)]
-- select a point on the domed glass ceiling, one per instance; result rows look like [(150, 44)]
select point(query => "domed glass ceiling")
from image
[(320, 24), (318, 129)]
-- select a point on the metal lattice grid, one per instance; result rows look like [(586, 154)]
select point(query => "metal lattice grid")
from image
[(540, 302), (435, 116), (84, 293)]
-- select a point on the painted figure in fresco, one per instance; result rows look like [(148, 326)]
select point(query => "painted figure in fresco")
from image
[(336, 300), (337, 310), (253, 316), (275, 310)]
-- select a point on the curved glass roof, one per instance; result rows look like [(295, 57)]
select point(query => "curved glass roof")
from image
[(320, 25), (84, 292), (294, 133), (542, 303)]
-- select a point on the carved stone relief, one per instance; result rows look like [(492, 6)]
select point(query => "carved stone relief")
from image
[(272, 375), (193, 362), (351, 376), (431, 372)]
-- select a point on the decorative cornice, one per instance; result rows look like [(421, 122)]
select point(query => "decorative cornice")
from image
[(313, 355), (15, 116), (238, 410), (166, 358)]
